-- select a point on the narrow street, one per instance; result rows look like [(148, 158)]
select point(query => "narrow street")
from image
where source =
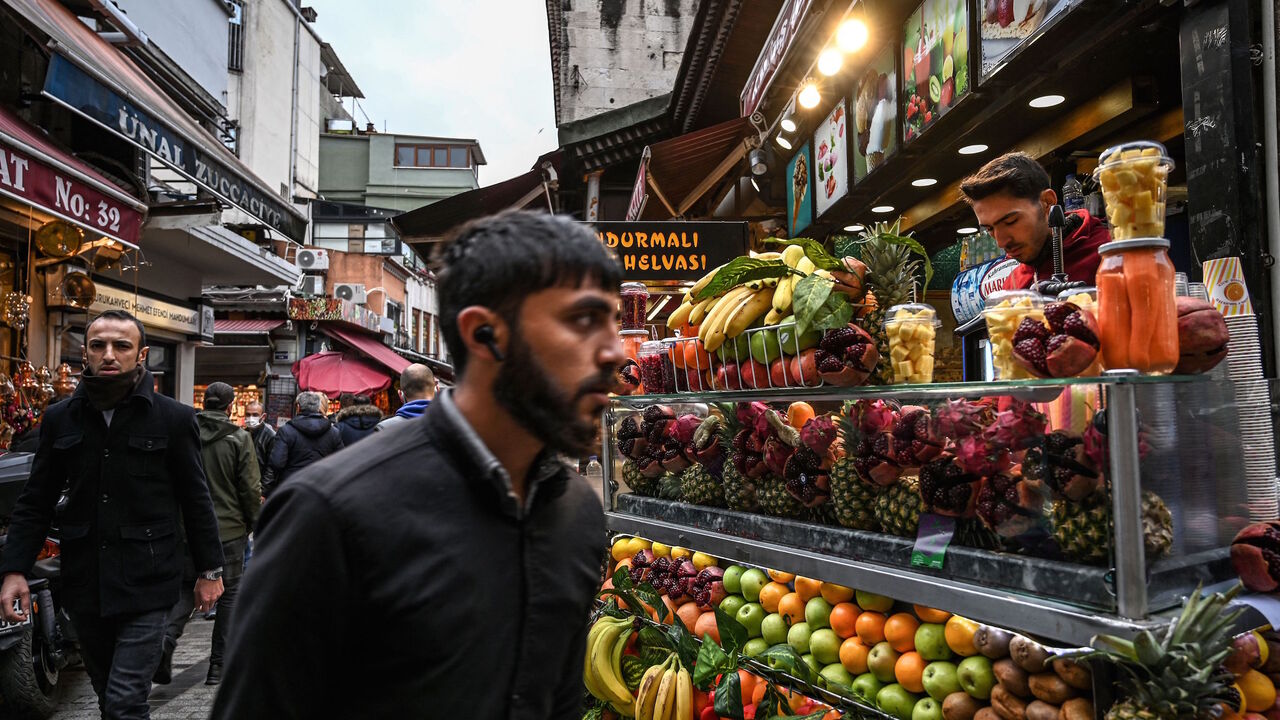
[(186, 697)]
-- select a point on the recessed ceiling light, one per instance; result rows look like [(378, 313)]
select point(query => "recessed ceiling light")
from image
[(789, 125), (854, 228), (924, 182), (809, 96), (852, 35), (972, 149), (785, 143), (829, 62), (1045, 101), (882, 209), (966, 230)]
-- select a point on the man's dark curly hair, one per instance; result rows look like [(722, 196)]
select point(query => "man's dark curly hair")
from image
[(1016, 173), (498, 261)]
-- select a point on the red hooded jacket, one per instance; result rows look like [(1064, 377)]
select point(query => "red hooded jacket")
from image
[(1084, 234)]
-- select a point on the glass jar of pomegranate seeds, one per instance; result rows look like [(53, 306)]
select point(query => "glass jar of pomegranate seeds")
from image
[(1137, 306), (635, 301), (657, 373)]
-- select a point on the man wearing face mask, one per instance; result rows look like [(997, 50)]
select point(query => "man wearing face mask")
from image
[(131, 459), (264, 436), (470, 494)]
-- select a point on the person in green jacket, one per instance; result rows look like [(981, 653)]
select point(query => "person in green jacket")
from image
[(231, 468)]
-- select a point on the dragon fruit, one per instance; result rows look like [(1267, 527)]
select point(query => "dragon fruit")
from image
[(1018, 427), (959, 419), (819, 433), (872, 416), (978, 455)]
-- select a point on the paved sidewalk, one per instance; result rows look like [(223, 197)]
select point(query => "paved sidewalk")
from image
[(186, 697)]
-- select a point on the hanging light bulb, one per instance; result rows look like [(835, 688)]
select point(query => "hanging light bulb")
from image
[(809, 96), (852, 35), (829, 62)]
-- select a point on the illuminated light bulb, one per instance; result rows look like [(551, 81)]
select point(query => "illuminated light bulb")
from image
[(852, 35), (829, 62), (809, 96)]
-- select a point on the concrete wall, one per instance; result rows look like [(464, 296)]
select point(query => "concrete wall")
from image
[(619, 52), (369, 270), (191, 32), (361, 169), (344, 168), (310, 120)]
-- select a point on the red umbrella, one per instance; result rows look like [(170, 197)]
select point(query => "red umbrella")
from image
[(334, 373)]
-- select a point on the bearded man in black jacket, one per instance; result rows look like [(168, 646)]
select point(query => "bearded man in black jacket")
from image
[(448, 564)]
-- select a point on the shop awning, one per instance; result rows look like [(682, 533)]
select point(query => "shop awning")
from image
[(34, 171), (383, 355), (245, 327), (679, 171), (432, 222), (334, 373), (94, 79)]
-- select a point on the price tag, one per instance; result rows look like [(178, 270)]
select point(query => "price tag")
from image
[(935, 535)]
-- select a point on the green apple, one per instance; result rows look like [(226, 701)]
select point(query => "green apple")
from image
[(751, 616), (880, 661), (755, 646), (895, 700), (732, 604), (732, 579), (838, 679), (940, 679), (927, 709), (752, 582), (812, 662), (817, 612), (735, 350), (931, 642), (798, 637), (789, 340), (872, 602), (976, 677), (764, 346), (774, 629), (865, 686), (824, 643)]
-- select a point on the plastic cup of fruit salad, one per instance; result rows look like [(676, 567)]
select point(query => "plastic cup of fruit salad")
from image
[(1135, 179), (1004, 311), (911, 329)]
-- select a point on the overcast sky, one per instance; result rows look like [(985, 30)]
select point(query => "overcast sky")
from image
[(476, 69)]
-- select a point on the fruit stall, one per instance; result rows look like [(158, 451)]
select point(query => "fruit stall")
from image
[(1083, 498)]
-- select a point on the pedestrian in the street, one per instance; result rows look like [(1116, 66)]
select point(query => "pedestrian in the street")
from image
[(131, 459), (417, 390), (306, 438), (264, 437), (231, 469), (357, 420), (462, 530)]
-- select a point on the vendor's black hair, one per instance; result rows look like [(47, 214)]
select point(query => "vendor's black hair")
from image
[(498, 261), (1016, 173)]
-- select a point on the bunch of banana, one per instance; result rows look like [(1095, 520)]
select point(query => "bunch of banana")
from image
[(666, 693), (694, 312), (602, 666), (794, 257)]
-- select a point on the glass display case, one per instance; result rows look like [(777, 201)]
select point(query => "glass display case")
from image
[(1059, 507)]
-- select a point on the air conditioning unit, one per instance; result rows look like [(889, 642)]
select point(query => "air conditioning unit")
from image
[(313, 259), (312, 285), (353, 292)]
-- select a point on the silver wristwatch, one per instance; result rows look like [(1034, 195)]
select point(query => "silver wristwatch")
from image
[(214, 574)]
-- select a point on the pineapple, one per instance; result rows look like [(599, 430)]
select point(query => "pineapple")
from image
[(639, 484), (1083, 530), (739, 490), (700, 487), (970, 532), (1176, 673), (891, 268), (898, 508), (771, 490), (852, 499), (669, 487)]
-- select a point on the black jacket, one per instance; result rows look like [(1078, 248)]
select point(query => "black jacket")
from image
[(408, 570), (264, 437), (129, 486), (357, 421), (302, 441)]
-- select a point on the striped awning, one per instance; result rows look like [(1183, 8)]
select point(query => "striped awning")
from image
[(245, 327)]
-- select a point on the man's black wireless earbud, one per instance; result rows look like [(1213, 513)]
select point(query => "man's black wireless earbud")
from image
[(484, 334)]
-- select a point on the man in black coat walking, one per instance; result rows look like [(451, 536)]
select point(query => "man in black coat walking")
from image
[(264, 438), (303, 440), (131, 459)]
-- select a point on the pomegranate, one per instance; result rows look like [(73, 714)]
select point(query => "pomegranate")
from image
[(1011, 505), (846, 356), (1202, 336), (1061, 463), (802, 369), (1066, 348), (806, 481), (948, 490), (1255, 555)]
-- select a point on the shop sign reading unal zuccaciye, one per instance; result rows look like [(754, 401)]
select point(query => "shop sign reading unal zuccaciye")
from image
[(672, 251)]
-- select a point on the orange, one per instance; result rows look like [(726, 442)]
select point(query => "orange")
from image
[(688, 614), (771, 596), (929, 615), (844, 619), (669, 616), (909, 671), (959, 632), (792, 608), (870, 628), (695, 356), (1259, 692), (782, 577), (900, 631), (706, 625), (853, 655), (836, 594), (808, 588), (799, 413), (757, 692), (746, 683)]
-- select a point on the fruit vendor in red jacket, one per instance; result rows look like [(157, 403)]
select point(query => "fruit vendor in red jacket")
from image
[(1011, 195)]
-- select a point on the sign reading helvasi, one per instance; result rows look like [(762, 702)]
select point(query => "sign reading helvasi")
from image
[(672, 251)]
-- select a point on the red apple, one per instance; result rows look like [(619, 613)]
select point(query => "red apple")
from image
[(755, 375)]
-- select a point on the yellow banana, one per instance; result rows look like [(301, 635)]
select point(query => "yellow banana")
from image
[(826, 274), (680, 315), (666, 697), (754, 284), (791, 256), (748, 312), (771, 282), (624, 701), (701, 309), (588, 677), (773, 318), (706, 279), (806, 265), (782, 295), (771, 255), (602, 652), (714, 321), (684, 696), (648, 690), (717, 335)]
